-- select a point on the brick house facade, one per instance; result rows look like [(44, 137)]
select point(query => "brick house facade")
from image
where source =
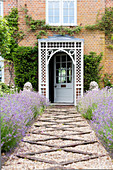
[(86, 14)]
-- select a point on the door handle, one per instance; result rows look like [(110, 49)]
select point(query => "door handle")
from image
[(55, 86)]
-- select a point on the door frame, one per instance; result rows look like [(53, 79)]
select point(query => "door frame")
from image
[(50, 46), (72, 84)]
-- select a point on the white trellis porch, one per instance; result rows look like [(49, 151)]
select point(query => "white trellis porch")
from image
[(51, 46)]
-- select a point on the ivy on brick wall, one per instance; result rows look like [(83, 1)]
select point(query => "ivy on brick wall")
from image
[(105, 24), (92, 69), (26, 58), (41, 25), (16, 34), (4, 37), (23, 58), (26, 66)]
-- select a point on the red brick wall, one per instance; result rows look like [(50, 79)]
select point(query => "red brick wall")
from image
[(8, 78), (87, 11), (8, 4), (109, 3)]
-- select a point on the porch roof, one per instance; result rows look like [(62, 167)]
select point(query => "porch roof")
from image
[(55, 38)]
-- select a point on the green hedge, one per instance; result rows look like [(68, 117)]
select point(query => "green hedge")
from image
[(92, 69), (26, 66)]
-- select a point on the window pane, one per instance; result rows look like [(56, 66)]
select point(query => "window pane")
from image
[(53, 11), (50, 4), (71, 4), (64, 65), (68, 12), (63, 72), (65, 19), (56, 19), (71, 19), (65, 4), (69, 72), (50, 12), (69, 79), (50, 19), (63, 79), (69, 65), (64, 58), (56, 4), (58, 59), (65, 12), (71, 12), (58, 80), (57, 65), (56, 12)]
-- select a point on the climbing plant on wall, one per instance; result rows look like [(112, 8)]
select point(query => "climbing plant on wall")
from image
[(25, 58), (41, 25), (16, 34), (92, 69), (25, 66), (105, 24), (5, 37)]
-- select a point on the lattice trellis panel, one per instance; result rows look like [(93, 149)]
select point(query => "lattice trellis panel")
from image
[(74, 49), (79, 68), (58, 45), (43, 66), (43, 70)]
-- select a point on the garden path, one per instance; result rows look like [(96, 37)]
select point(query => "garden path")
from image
[(59, 139)]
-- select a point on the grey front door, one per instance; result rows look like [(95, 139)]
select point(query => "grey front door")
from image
[(63, 78)]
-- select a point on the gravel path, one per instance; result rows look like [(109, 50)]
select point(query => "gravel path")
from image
[(59, 139)]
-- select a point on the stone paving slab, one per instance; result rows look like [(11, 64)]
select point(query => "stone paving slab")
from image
[(60, 139)]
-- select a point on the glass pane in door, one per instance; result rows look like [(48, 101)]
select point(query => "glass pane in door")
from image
[(63, 69)]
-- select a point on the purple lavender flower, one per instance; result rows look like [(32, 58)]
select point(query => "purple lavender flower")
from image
[(17, 111), (102, 115)]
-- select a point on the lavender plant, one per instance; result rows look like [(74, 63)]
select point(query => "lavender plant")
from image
[(17, 112), (97, 106)]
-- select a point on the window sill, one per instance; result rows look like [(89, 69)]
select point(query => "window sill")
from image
[(63, 25)]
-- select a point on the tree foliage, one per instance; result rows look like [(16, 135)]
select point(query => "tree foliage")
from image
[(5, 37)]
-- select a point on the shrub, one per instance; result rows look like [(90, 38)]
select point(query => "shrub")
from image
[(89, 113), (17, 112), (91, 69), (107, 80), (26, 66), (102, 119), (98, 106), (4, 89)]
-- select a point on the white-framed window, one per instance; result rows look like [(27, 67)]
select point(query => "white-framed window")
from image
[(1, 69), (1, 8), (61, 12)]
